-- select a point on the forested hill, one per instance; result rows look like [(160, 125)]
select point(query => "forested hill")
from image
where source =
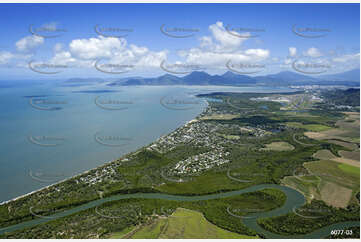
[(349, 97)]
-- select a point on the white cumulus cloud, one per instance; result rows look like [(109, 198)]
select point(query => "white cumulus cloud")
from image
[(96, 47), (220, 47), (83, 53), (29, 43)]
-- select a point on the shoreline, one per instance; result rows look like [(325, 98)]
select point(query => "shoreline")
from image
[(53, 184), (95, 168)]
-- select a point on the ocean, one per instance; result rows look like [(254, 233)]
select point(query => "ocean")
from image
[(51, 131)]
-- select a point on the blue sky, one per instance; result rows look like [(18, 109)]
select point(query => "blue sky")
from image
[(334, 28)]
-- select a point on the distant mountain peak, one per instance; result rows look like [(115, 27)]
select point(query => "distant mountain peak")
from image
[(198, 73), (229, 74), (168, 75), (229, 78)]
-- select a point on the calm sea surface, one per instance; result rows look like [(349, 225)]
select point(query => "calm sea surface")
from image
[(50, 131)]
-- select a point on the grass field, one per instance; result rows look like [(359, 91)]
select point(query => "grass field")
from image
[(344, 160), (278, 146), (338, 176), (335, 195), (185, 224), (352, 155), (337, 184), (151, 231), (298, 114), (324, 155), (330, 181), (121, 234), (348, 145), (348, 129), (350, 169), (310, 127)]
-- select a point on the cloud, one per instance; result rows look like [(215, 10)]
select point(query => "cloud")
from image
[(224, 40), (347, 57), (14, 59), (313, 52), (29, 43), (345, 62), (5, 57), (52, 26), (65, 58), (292, 51), (213, 51), (96, 47), (220, 47), (257, 53), (221, 40), (84, 53)]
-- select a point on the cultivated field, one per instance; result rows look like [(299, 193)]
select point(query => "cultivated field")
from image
[(352, 155), (344, 182), (347, 129), (185, 224), (324, 155), (335, 195)]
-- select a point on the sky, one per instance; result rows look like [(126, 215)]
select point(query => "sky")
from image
[(57, 41)]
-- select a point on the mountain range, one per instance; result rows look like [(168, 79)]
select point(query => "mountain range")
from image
[(285, 78)]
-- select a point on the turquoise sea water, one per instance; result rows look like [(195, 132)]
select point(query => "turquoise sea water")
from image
[(85, 127)]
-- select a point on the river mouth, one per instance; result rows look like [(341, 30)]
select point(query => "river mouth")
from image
[(294, 200)]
